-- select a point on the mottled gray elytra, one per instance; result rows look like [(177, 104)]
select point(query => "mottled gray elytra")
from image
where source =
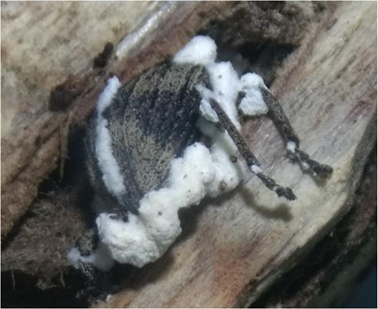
[(153, 118)]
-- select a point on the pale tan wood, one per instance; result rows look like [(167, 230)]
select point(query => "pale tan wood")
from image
[(64, 39), (234, 248)]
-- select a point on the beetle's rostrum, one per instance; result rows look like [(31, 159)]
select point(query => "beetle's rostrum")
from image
[(146, 152)]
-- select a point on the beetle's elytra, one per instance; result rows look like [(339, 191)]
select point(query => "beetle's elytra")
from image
[(151, 120)]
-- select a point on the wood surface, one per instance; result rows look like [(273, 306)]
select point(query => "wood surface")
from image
[(339, 261), (233, 248)]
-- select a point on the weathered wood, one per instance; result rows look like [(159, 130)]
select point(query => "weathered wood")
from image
[(236, 247), (327, 278), (233, 248)]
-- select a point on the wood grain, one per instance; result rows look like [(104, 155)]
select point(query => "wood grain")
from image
[(232, 249)]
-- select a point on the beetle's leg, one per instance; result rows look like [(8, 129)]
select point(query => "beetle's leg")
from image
[(251, 160), (280, 120)]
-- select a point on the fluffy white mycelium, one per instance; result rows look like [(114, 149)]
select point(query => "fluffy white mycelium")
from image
[(198, 173), (107, 162)]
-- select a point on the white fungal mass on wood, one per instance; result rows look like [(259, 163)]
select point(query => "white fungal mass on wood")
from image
[(192, 174)]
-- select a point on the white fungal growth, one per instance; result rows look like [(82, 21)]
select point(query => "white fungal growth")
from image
[(252, 103), (198, 173), (146, 237), (200, 50), (101, 258), (256, 169), (291, 146), (107, 162), (225, 81)]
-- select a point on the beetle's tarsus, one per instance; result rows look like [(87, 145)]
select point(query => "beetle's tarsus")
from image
[(280, 190), (318, 170), (287, 193)]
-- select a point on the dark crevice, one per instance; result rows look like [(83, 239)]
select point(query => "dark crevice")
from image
[(22, 291)]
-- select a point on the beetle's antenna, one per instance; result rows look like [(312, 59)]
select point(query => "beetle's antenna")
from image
[(251, 160), (280, 120)]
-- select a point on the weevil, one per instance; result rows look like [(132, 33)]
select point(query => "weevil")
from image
[(146, 142), (154, 118)]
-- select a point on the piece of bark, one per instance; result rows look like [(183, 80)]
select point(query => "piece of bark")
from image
[(40, 245), (233, 249)]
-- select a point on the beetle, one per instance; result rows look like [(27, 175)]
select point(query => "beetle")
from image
[(167, 139), (154, 118)]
